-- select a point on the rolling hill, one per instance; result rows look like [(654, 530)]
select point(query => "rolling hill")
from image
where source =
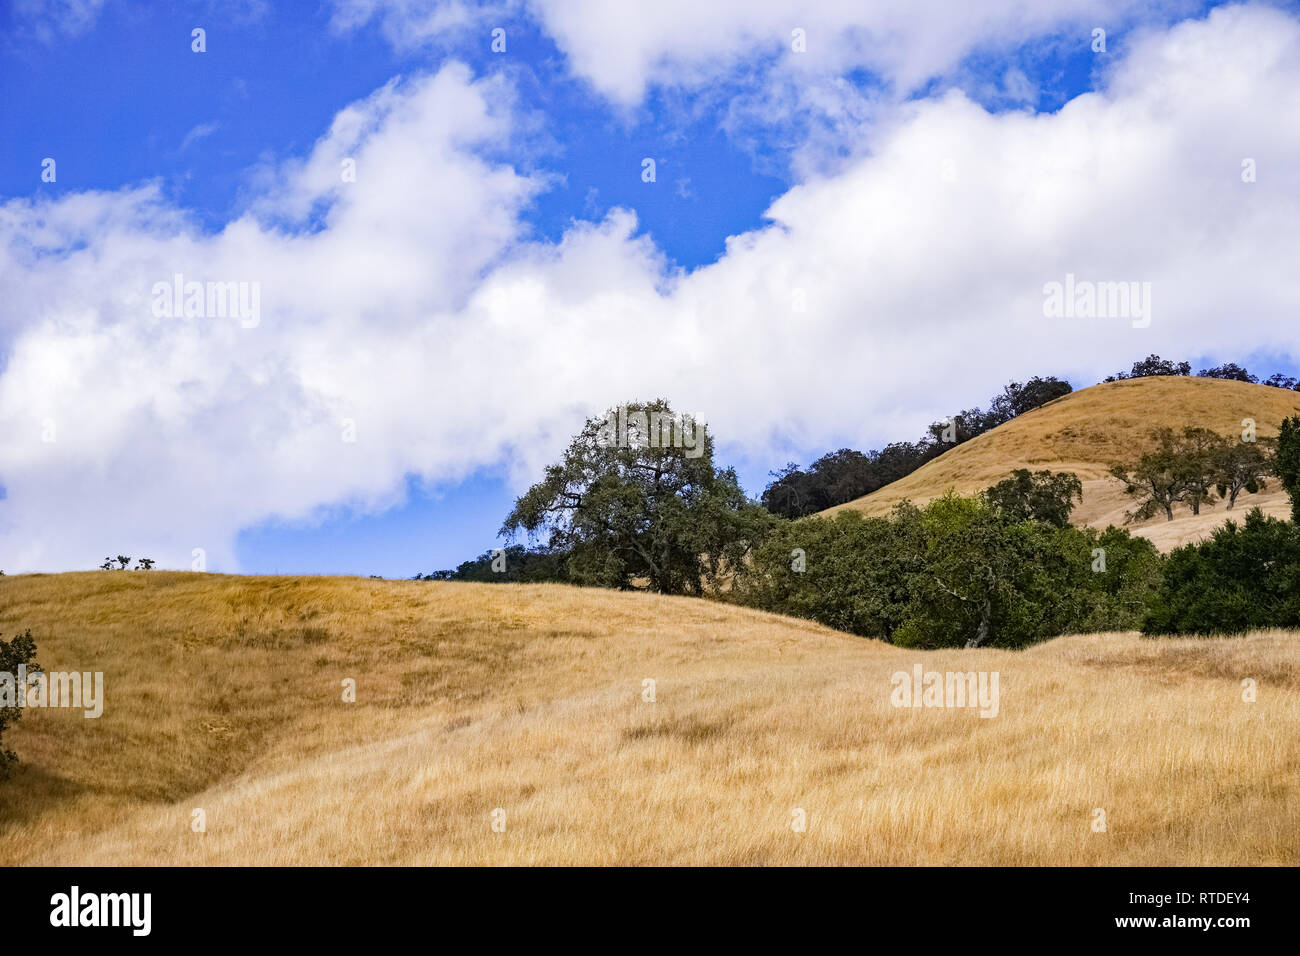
[(1089, 430), (224, 694)]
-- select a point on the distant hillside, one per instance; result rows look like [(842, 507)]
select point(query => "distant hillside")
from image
[(1087, 431)]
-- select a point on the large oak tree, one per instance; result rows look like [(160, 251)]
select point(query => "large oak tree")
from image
[(638, 506)]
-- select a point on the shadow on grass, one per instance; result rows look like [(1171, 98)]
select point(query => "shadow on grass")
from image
[(31, 790)]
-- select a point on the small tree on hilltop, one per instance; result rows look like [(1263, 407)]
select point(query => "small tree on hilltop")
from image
[(1016, 399), (123, 560), (1230, 371), (1151, 366)]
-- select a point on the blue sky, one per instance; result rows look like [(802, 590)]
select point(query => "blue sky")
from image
[(121, 101), (268, 88), (101, 104)]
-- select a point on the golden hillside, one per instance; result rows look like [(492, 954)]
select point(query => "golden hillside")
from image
[(1089, 430), (223, 694)]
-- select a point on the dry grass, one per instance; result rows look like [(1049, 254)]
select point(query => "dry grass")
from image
[(223, 693), (1091, 429)]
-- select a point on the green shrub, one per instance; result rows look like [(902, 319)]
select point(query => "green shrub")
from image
[(512, 564), (852, 572), (1036, 496), (956, 573), (20, 650), (1241, 578)]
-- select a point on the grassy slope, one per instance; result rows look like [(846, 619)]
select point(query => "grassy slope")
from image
[(1088, 430), (224, 693)]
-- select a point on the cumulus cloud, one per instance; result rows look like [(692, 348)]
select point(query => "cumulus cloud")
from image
[(414, 303), (118, 425), (782, 71), (624, 48)]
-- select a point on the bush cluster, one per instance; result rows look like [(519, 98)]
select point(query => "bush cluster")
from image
[(958, 572)]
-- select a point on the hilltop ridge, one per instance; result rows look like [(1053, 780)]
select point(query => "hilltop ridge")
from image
[(1086, 432)]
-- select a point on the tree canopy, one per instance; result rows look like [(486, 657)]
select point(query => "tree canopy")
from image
[(637, 502), (844, 475), (1287, 462), (957, 572), (1036, 496), (1243, 577)]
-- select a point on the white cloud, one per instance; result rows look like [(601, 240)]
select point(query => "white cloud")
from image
[(48, 20), (201, 131), (171, 433), (781, 71), (624, 48), (410, 23), (413, 301)]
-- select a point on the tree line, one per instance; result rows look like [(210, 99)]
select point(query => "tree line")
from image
[(1003, 568), (1154, 365), (845, 475)]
